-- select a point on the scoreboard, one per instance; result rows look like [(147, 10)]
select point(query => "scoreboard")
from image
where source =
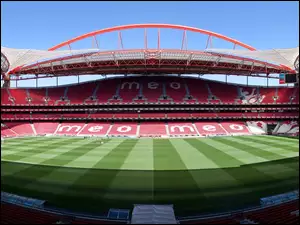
[(289, 78)]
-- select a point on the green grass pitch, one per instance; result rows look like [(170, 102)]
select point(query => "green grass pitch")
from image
[(197, 175)]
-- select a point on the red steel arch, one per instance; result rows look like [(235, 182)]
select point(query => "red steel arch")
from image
[(132, 26)]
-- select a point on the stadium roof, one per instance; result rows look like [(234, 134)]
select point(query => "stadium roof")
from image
[(30, 58), (18, 57), (285, 57), (93, 61)]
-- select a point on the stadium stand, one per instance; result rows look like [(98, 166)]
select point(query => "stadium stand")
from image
[(235, 128), (147, 128), (129, 90), (21, 129), (180, 128), (162, 89), (45, 128), (37, 96), (257, 127), (152, 115), (123, 129), (77, 94), (107, 89), (278, 214), (166, 104), (6, 132), (228, 95), (209, 128), (285, 213), (99, 129), (287, 127), (16, 214), (152, 129)]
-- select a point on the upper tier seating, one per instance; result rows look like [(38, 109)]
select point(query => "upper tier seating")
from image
[(107, 89), (37, 95), (175, 89), (5, 96), (152, 90), (79, 93), (296, 95), (269, 94), (55, 95), (129, 89), (19, 95), (198, 90), (225, 95), (285, 94)]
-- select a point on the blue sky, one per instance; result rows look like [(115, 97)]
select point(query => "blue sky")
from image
[(40, 25)]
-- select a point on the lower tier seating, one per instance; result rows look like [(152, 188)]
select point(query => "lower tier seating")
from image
[(15, 214), (148, 128), (285, 213)]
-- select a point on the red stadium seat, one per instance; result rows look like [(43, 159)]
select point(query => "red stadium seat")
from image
[(21, 128), (180, 128), (153, 129), (124, 129)]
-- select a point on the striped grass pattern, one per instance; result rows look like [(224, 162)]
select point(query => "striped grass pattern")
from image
[(195, 174)]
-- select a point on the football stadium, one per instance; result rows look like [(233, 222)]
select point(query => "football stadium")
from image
[(152, 141)]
